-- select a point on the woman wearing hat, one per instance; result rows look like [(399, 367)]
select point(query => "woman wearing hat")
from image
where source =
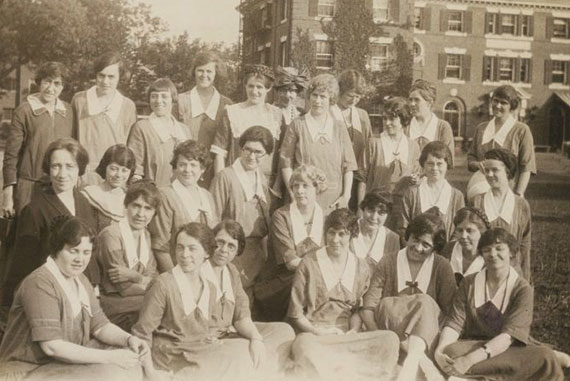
[(289, 83)]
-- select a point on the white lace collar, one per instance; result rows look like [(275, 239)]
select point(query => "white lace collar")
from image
[(428, 133), (480, 285), (443, 199), (298, 223), (187, 294), (504, 211), (393, 150), (38, 106), (110, 203), (196, 105), (330, 277), (376, 250), (193, 206), (424, 275), (225, 289), (245, 181), (169, 129), (94, 107), (500, 136), (354, 120), (78, 298), (456, 261), (317, 131), (134, 251), (242, 117)]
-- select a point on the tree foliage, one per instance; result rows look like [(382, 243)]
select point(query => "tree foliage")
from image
[(303, 53)]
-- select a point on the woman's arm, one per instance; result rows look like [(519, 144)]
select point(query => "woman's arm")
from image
[(247, 329), (522, 183), (77, 354), (221, 143), (492, 348), (448, 336)]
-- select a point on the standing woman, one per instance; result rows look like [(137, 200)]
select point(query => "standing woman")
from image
[(425, 126), (153, 139), (352, 87), (241, 194), (289, 83), (37, 122), (318, 139), (503, 131), (103, 116), (504, 208), (183, 201), (202, 108)]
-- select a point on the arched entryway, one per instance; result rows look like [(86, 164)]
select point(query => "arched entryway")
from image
[(454, 114)]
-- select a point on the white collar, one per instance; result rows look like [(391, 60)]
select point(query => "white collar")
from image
[(298, 223), (77, 300), (500, 136), (169, 130), (38, 106), (67, 198), (428, 132), (424, 275), (242, 117), (110, 203), (225, 289), (94, 107), (192, 207), (133, 255), (376, 250), (315, 129), (456, 261), (443, 200), (187, 295), (394, 150), (330, 277), (480, 285), (197, 108), (245, 181), (505, 211), (354, 120)]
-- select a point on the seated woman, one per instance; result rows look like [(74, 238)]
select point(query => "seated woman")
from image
[(504, 208), (486, 334), (55, 323), (296, 230), (125, 257), (462, 252), (433, 191), (410, 292), (374, 241), (183, 201), (197, 331), (325, 301)]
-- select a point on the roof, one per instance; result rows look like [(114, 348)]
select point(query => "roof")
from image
[(564, 96), (544, 4)]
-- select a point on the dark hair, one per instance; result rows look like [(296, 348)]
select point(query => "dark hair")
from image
[(427, 89), (108, 59), (498, 235), (234, 229), (205, 57), (258, 134), (73, 147), (506, 157), (508, 93), (163, 84), (343, 219), (145, 189), (473, 215), (51, 70), (400, 108), (199, 231), (67, 230), (191, 150), (351, 80), (120, 154), (375, 198), (436, 149), (428, 223)]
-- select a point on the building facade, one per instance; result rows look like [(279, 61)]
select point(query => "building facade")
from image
[(9, 92)]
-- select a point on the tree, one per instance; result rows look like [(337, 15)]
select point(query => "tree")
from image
[(303, 53)]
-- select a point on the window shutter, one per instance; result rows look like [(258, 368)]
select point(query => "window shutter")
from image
[(313, 8), (517, 69), (426, 18), (488, 18), (567, 70), (547, 72), (468, 22), (499, 25), (442, 63), (495, 68), (530, 26), (395, 11), (486, 62), (549, 26), (529, 66), (443, 20), (466, 67)]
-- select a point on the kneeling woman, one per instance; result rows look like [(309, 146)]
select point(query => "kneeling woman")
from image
[(200, 329), (491, 317), (325, 300), (56, 319)]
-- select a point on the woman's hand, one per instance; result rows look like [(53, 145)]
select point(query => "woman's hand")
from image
[(120, 274), (135, 178), (462, 364), (124, 358), (341, 202), (8, 202), (257, 352), (444, 361), (138, 346)]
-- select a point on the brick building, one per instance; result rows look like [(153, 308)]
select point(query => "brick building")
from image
[(9, 95)]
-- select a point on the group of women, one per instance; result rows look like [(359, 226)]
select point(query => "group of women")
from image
[(250, 240)]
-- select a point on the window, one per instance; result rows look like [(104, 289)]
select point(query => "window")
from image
[(380, 10), (525, 25), (453, 67), (379, 57), (264, 17), (560, 28), (326, 8), (524, 70), (452, 113), (506, 69), (508, 24), (267, 54), (284, 9), (559, 72), (418, 15), (492, 22), (324, 54), (283, 54), (455, 22)]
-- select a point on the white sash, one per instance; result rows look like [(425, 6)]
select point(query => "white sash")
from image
[(456, 262), (403, 268), (505, 212), (77, 300), (500, 136), (480, 284), (443, 200), (187, 295), (225, 289), (134, 256), (329, 275), (375, 251), (192, 206), (245, 181), (299, 231)]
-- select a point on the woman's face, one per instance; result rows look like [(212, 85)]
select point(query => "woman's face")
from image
[(392, 126), (72, 260), (497, 256), (188, 171), (107, 79), (63, 171), (304, 193), (205, 75), (501, 108), (496, 174), (348, 99), (468, 235), (255, 90), (161, 103), (117, 175), (435, 168), (50, 89), (337, 241), (320, 102), (251, 155), (139, 213), (226, 249), (418, 104), (375, 216), (190, 253), (285, 96), (419, 248)]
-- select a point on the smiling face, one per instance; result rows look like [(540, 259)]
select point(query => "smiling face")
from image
[(375, 216), (468, 235), (117, 175), (161, 102), (256, 91), (205, 75), (226, 249), (337, 241), (501, 108), (348, 99), (418, 105), (107, 80), (188, 171), (435, 168), (139, 213), (73, 260), (304, 193), (392, 126), (50, 89), (190, 253), (320, 102), (496, 174), (251, 155), (63, 171), (419, 248), (497, 256)]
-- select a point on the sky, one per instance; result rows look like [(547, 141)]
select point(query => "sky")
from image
[(209, 20)]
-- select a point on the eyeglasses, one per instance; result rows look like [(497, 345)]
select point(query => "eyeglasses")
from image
[(258, 154), (231, 247)]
